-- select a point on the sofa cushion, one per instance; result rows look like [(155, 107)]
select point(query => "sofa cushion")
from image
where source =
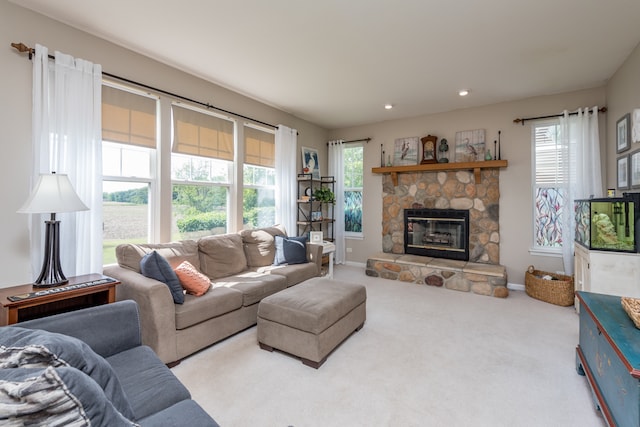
[(221, 255), (55, 396), (259, 245), (150, 385), (295, 273), (216, 302), (129, 255), (184, 413), (154, 265), (253, 286), (290, 250), (36, 348), (192, 280)]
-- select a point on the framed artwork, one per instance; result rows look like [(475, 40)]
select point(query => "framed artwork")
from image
[(470, 146), (623, 172), (310, 163), (634, 169), (623, 133), (406, 151), (315, 237), (429, 149)]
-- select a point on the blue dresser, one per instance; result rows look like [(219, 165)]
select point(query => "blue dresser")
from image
[(609, 356)]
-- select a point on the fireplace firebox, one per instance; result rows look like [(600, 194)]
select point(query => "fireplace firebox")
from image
[(439, 233)]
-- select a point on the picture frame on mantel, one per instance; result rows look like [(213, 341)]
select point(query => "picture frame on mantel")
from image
[(470, 145), (406, 151), (623, 133), (623, 173)]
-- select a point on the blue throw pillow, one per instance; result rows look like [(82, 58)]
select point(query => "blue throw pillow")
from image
[(290, 250), (154, 266)]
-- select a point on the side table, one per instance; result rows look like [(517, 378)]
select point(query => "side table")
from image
[(328, 248), (60, 299)]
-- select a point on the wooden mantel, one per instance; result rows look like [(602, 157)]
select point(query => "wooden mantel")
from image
[(476, 167)]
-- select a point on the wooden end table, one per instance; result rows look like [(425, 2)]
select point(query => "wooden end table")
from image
[(59, 300)]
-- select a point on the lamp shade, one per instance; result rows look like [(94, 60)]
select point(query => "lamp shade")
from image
[(53, 194)]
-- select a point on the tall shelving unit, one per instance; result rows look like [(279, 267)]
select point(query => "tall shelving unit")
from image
[(314, 215)]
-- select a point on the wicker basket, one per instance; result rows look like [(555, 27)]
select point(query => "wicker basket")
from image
[(558, 292), (632, 307)]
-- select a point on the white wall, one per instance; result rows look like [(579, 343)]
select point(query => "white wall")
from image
[(623, 96), (21, 25), (515, 180)]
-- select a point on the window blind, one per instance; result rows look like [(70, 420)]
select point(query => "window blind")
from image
[(550, 156), (260, 147), (200, 134), (128, 118)]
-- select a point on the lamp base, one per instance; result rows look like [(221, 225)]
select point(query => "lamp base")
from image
[(51, 273)]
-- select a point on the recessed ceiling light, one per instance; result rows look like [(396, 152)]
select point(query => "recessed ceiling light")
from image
[(388, 106), (463, 92)]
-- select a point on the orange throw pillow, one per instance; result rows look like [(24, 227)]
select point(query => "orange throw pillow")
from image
[(192, 280)]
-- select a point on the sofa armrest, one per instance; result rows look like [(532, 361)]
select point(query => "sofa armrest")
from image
[(157, 309), (108, 329), (314, 254)]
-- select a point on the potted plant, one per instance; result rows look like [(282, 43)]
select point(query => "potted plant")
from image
[(325, 195)]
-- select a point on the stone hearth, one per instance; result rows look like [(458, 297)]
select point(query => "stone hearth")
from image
[(481, 279), (445, 190)]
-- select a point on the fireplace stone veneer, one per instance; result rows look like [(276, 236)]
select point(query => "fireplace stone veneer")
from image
[(445, 190)]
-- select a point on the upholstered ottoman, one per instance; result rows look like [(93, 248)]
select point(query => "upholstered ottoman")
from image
[(309, 320)]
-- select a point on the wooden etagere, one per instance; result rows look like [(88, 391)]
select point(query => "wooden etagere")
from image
[(314, 215)]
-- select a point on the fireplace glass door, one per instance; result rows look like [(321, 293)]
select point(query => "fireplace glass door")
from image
[(439, 233)]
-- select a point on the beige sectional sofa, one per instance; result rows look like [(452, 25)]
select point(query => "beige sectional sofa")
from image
[(240, 266)]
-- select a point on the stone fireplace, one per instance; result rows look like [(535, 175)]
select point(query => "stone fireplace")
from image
[(445, 190)]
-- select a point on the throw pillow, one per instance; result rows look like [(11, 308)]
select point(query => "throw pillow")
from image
[(22, 347), (192, 280), (155, 266), (55, 397), (290, 250)]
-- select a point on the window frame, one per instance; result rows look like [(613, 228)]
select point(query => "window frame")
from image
[(536, 249), (355, 234)]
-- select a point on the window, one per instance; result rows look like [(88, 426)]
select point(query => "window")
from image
[(201, 172), (353, 178), (549, 186), (259, 177), (129, 140)]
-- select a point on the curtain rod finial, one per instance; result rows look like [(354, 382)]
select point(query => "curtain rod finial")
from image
[(21, 47)]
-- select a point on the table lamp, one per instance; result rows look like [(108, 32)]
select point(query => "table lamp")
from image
[(52, 194)]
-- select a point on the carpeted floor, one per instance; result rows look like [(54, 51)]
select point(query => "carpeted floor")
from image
[(425, 357)]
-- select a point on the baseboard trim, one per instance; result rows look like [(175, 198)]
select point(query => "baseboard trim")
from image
[(515, 287)]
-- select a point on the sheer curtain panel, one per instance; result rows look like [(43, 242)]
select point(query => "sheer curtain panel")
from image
[(580, 133), (67, 139), (336, 169), (286, 178)]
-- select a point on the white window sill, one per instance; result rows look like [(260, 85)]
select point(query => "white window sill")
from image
[(554, 253)]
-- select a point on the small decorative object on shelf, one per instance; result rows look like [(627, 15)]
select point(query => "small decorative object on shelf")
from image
[(325, 195), (429, 149), (488, 155), (443, 151)]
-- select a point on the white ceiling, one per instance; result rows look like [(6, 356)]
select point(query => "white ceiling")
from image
[(337, 62)]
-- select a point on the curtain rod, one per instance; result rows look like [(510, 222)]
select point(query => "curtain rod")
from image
[(356, 140), (22, 48), (600, 110)]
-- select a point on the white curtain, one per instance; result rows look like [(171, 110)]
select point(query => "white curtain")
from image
[(336, 169), (286, 178), (67, 138), (579, 132)]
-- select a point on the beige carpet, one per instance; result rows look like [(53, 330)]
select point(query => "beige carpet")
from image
[(425, 357)]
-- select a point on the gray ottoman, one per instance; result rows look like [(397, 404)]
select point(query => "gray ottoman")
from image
[(310, 320)]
